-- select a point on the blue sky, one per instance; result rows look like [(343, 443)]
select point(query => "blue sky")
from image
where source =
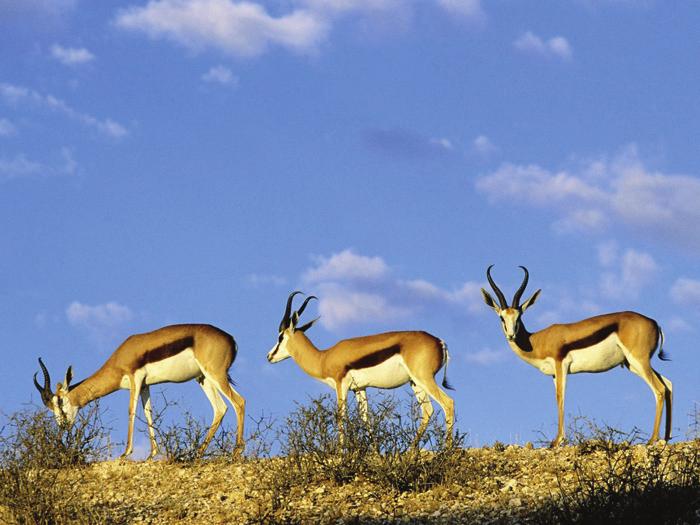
[(196, 160)]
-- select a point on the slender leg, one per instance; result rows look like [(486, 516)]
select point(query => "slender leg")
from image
[(134, 392), (447, 404), (361, 396), (658, 388), (147, 410), (669, 404), (238, 403), (560, 388), (426, 408), (217, 405), (341, 391)]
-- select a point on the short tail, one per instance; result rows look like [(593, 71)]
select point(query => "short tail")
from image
[(662, 355), (446, 357)]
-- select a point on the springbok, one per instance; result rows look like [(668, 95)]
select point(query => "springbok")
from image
[(386, 360), (596, 344), (172, 354)]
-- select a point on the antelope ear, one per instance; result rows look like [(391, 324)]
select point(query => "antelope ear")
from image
[(69, 376), (489, 300), (527, 304)]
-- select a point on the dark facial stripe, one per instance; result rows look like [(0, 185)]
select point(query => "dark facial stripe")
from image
[(590, 340), (166, 350), (375, 358)]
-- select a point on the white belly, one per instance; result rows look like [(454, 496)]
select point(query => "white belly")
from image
[(389, 374), (175, 369), (597, 358)]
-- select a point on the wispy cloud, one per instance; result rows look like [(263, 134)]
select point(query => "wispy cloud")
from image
[(403, 143), (359, 289), (248, 29), (625, 274), (686, 291), (13, 94), (102, 321), (557, 46), (220, 75), (71, 56), (483, 145), (470, 9), (599, 194), (237, 28), (259, 280), (18, 167)]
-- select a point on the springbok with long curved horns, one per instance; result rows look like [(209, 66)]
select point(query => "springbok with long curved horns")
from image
[(386, 360), (596, 344), (172, 354)]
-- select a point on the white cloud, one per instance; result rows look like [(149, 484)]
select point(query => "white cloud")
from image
[(346, 266), (599, 194), (686, 291), (7, 128), (247, 28), (13, 94), (103, 322), (71, 56), (220, 75), (462, 8), (358, 289), (98, 316), (442, 142), (557, 46), (634, 271), (486, 357), (483, 145), (237, 28), (18, 167)]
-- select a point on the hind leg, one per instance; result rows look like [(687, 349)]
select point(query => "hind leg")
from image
[(219, 407), (238, 403), (658, 388), (428, 385), (426, 408), (668, 398)]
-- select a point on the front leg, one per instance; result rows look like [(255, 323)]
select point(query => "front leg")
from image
[(560, 388), (134, 391), (341, 391), (147, 410)]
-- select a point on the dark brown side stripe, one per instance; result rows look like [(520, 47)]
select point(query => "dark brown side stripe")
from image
[(590, 340), (375, 358), (166, 350)]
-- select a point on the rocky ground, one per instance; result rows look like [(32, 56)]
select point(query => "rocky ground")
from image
[(491, 485)]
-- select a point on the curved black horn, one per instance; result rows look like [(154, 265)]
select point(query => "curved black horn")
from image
[(288, 310), (303, 305), (45, 391), (519, 293), (499, 293)]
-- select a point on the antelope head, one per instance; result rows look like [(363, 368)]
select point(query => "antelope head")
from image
[(288, 329), (509, 315), (59, 403)]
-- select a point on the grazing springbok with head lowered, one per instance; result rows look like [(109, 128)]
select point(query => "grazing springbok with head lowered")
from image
[(172, 354), (596, 344), (386, 360)]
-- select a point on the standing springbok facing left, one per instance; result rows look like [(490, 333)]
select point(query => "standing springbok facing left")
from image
[(172, 354), (386, 360), (596, 344)]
